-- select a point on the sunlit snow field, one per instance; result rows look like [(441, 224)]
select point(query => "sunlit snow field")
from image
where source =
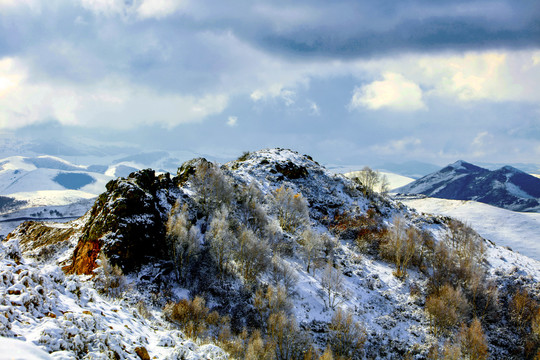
[(517, 230)]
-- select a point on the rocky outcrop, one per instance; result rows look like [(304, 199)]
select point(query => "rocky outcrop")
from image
[(126, 223)]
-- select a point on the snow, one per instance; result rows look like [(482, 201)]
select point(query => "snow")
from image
[(516, 230), (13, 349), (517, 191), (64, 316), (52, 197)]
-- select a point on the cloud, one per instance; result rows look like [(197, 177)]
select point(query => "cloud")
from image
[(406, 145), (232, 121), (110, 102), (106, 7), (496, 76), (394, 92), (159, 8)]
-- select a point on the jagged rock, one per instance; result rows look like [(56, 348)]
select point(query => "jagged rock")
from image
[(126, 223)]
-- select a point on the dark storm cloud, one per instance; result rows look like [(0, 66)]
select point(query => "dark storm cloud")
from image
[(68, 40), (361, 28)]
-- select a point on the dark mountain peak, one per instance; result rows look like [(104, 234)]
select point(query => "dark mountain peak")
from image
[(510, 169), (506, 187), (464, 166)]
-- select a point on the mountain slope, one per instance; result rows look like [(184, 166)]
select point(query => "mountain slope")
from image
[(506, 187), (265, 254)]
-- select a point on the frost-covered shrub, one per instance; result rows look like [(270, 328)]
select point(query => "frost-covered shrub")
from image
[(288, 340), (346, 337), (282, 275), (462, 238), (332, 286), (292, 209), (191, 315), (109, 279), (271, 301), (400, 245), (250, 210), (473, 341), (211, 186), (221, 239), (183, 240), (312, 246), (446, 309), (252, 255)]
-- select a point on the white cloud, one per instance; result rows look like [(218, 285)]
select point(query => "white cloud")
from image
[(105, 7), (314, 108), (159, 8), (33, 5), (110, 102), (394, 92), (232, 121), (393, 147), (488, 76), (482, 145)]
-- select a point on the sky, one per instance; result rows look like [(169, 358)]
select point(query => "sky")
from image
[(346, 81)]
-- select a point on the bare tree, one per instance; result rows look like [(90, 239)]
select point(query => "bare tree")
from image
[(400, 246), (291, 207), (221, 239), (183, 239), (346, 336), (212, 187), (281, 274), (372, 180), (252, 255), (332, 284), (311, 246)]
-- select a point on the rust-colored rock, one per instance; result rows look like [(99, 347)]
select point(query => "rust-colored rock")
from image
[(142, 353), (83, 261)]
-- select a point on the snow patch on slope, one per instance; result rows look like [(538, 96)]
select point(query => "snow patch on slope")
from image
[(516, 230)]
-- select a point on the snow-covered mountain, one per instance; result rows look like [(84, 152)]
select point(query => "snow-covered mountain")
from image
[(506, 187), (270, 256)]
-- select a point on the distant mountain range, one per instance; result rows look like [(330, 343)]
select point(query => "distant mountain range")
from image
[(507, 187)]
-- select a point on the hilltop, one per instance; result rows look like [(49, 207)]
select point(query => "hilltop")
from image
[(268, 256)]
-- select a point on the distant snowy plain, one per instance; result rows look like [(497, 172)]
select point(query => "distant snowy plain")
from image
[(518, 230)]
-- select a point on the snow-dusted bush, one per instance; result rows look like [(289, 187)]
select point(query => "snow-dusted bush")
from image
[(288, 340), (446, 309), (332, 286), (312, 246), (252, 255), (109, 278), (183, 240), (282, 275), (346, 337), (211, 186), (221, 239), (292, 209), (271, 301), (400, 245)]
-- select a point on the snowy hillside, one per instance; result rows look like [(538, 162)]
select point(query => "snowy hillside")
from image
[(516, 230), (270, 256), (46, 187), (506, 187)]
